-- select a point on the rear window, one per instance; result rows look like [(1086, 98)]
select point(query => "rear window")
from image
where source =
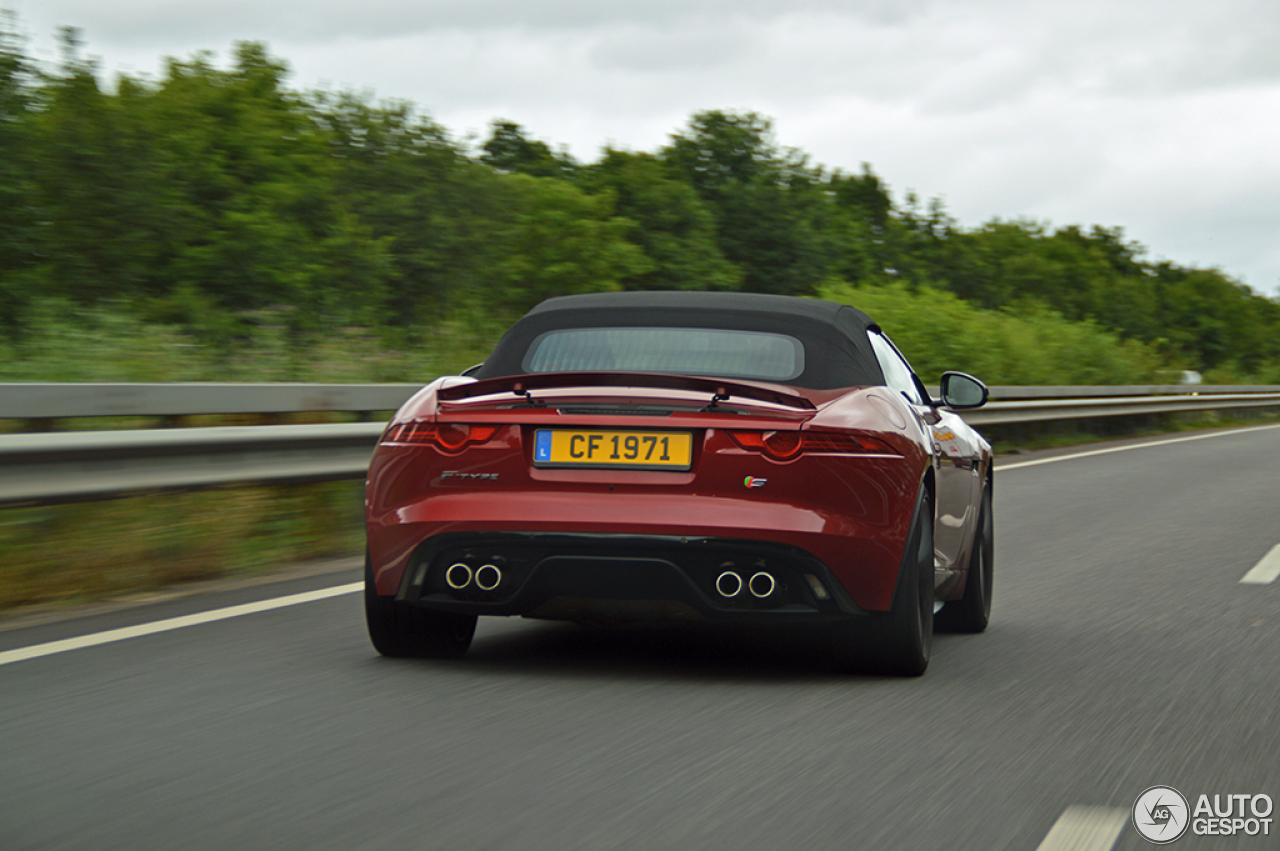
[(712, 352)]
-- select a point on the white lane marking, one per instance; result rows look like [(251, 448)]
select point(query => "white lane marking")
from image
[(1020, 464), (1086, 829), (35, 651), (1266, 571)]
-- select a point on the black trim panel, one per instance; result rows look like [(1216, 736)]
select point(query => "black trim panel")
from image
[(540, 568)]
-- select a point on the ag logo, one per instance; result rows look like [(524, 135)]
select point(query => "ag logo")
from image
[(1161, 815)]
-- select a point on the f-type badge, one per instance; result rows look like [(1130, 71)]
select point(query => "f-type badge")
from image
[(754, 482), (475, 477)]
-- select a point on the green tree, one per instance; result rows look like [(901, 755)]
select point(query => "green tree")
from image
[(20, 91), (564, 241), (771, 210), (440, 218), (509, 149), (859, 226), (81, 167), (673, 227), (232, 207), (250, 181)]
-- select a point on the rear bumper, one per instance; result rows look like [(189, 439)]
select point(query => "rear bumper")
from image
[(578, 576)]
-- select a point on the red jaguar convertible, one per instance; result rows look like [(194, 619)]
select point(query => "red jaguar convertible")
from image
[(734, 457)]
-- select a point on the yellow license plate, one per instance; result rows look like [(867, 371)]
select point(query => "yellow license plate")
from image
[(653, 450)]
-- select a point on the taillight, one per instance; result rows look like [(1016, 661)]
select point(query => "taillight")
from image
[(785, 445), (447, 437)]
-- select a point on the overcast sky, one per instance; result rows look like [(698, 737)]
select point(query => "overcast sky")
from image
[(1158, 116)]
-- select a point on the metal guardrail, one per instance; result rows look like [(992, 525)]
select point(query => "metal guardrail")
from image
[(1122, 401), (33, 401), (42, 469), (54, 467)]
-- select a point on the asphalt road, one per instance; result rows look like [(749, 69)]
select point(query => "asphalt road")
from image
[(1125, 653)]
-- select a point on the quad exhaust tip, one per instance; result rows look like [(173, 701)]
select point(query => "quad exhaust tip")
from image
[(762, 584), (458, 576), (488, 577), (729, 584)]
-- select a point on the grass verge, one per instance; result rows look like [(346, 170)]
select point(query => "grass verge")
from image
[(71, 554)]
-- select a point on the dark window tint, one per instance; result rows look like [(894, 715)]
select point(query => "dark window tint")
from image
[(684, 351)]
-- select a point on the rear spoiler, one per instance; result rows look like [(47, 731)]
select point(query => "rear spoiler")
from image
[(717, 389)]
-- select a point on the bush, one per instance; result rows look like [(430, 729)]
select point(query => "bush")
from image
[(938, 331)]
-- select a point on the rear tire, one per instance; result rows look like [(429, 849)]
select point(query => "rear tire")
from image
[(402, 631), (972, 612), (898, 642)]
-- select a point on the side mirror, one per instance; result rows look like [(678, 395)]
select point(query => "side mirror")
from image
[(963, 392)]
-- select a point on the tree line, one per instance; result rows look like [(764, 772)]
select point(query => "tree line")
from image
[(219, 201)]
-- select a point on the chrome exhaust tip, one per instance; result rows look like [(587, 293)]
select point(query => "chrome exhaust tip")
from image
[(762, 584), (488, 577), (729, 584), (458, 576)]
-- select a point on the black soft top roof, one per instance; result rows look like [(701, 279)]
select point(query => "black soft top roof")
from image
[(837, 351)]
